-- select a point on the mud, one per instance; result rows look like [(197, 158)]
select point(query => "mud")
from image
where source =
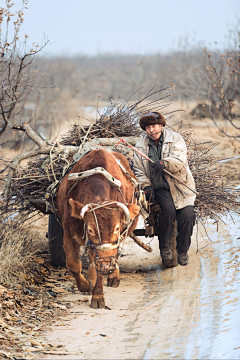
[(156, 313)]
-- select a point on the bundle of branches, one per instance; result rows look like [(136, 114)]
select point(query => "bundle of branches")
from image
[(120, 119), (51, 161), (217, 196), (32, 182)]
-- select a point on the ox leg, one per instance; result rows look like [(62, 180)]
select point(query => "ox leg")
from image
[(92, 274), (98, 300), (113, 279), (73, 263)]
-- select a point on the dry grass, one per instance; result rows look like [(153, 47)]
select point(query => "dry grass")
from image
[(19, 250)]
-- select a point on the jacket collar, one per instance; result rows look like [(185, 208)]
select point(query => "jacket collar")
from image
[(167, 135)]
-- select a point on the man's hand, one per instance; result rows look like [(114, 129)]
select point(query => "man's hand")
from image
[(158, 167), (147, 190)]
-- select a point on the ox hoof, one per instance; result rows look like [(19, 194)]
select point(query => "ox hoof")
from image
[(98, 303), (113, 282)]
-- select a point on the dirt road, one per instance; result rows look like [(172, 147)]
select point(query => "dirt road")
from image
[(156, 313)]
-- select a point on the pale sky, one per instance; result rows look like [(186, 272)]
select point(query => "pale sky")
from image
[(126, 26)]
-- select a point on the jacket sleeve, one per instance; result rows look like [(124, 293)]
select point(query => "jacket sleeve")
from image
[(177, 156), (140, 171)]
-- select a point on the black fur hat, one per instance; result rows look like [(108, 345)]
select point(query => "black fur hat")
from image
[(152, 118)]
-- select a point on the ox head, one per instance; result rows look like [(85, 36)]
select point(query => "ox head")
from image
[(104, 227)]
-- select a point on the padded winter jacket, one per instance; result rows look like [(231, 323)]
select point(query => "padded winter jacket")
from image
[(174, 156)]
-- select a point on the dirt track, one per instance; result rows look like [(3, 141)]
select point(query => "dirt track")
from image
[(156, 313)]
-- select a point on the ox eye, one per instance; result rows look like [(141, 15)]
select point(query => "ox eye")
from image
[(90, 231), (117, 228)]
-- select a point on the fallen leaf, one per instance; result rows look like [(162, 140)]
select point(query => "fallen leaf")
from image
[(6, 354), (30, 348), (3, 324), (2, 289), (52, 352), (88, 332), (55, 345), (59, 306), (51, 283), (38, 261), (9, 303), (59, 289), (35, 343)]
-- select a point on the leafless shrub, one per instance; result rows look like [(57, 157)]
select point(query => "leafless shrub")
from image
[(18, 77), (224, 89)]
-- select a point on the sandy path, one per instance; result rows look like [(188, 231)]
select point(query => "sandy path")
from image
[(156, 313)]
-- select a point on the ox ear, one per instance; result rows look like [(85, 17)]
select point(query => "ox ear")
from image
[(134, 210), (76, 208)]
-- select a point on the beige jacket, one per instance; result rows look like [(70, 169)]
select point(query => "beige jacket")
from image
[(174, 156)]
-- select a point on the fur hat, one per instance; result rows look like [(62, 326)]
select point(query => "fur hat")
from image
[(152, 118)]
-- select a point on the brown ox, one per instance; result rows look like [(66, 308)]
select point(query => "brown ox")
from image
[(103, 228)]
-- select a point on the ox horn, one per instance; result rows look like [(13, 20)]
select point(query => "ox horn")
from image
[(126, 212), (84, 210)]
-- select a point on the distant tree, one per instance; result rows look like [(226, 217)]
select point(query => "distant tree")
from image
[(224, 88), (213, 79), (18, 77)]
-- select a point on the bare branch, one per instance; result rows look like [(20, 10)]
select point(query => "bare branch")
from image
[(17, 77)]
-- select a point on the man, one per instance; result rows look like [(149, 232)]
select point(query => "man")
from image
[(168, 151)]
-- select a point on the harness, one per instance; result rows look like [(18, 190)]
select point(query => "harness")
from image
[(104, 246), (113, 260), (98, 170)]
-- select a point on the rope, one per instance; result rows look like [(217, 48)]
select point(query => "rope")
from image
[(104, 204), (95, 217), (121, 237), (51, 162)]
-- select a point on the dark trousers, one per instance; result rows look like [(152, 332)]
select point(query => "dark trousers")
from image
[(185, 221)]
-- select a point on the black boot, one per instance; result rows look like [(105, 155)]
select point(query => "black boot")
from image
[(166, 253), (183, 258)]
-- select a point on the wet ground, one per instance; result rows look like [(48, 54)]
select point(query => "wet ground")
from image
[(211, 328), (156, 313)]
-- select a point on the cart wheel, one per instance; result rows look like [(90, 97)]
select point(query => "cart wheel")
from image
[(55, 241), (173, 246)]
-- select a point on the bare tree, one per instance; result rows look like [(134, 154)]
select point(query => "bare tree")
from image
[(224, 89), (18, 78), (214, 80)]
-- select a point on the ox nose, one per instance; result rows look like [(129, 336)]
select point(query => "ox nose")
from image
[(105, 267)]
